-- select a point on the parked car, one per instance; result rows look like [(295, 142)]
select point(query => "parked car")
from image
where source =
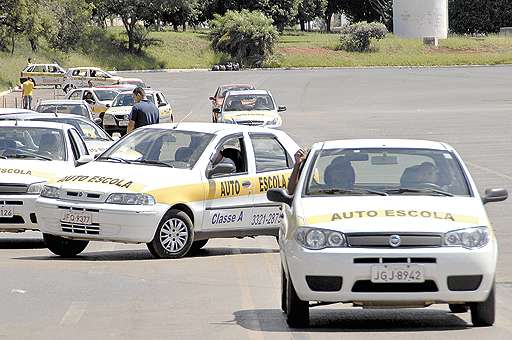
[(43, 74), (99, 99), (218, 98), (67, 106), (88, 77)]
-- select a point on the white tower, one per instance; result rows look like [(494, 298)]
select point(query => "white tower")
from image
[(420, 18)]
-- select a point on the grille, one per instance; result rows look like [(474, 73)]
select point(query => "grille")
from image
[(83, 196), (251, 122), (367, 286), (13, 189), (368, 260), (93, 229), (382, 240), (16, 219)]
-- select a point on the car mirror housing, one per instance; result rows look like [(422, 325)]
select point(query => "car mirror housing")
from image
[(281, 109), (279, 196), (116, 136), (221, 169), (211, 98), (494, 195)]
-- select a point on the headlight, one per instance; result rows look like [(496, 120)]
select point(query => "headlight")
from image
[(50, 192), (131, 199), (36, 188), (470, 238), (108, 119), (315, 239)]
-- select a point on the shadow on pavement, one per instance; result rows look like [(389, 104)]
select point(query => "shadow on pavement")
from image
[(354, 320), (21, 243), (143, 254)]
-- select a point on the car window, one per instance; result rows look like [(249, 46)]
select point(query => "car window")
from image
[(178, 149), (79, 73), (249, 102), (388, 170), (76, 95), (39, 68), (32, 143), (232, 150), (126, 99), (236, 88), (75, 109), (88, 130), (269, 154), (106, 94), (82, 148)]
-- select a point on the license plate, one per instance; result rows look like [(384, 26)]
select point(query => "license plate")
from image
[(123, 123), (77, 217), (398, 273), (6, 211)]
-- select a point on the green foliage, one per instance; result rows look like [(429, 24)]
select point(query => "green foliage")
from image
[(248, 37), (479, 16), (309, 10), (357, 37)]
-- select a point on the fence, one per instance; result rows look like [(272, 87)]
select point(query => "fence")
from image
[(13, 99)]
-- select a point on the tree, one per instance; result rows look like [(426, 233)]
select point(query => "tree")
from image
[(309, 10), (282, 12), (248, 37), (332, 7), (13, 18), (357, 37), (177, 12), (479, 16)]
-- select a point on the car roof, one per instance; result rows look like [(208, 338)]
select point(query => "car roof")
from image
[(8, 111), (232, 93), (235, 85), (51, 64), (86, 68), (32, 123), (212, 128), (95, 88), (36, 115), (62, 101), (382, 143)]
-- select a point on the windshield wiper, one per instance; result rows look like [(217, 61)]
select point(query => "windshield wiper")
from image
[(420, 191), (25, 154), (340, 191), (152, 162), (116, 159)]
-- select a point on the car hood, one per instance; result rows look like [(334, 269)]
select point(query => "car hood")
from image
[(111, 177), (31, 171), (250, 115), (119, 110), (97, 146), (434, 214)]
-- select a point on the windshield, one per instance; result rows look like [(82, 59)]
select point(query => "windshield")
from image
[(126, 99), (224, 90), (32, 143), (75, 109), (177, 149), (249, 102), (87, 129), (386, 172), (105, 94)]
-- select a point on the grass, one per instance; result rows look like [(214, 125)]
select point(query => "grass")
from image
[(294, 49)]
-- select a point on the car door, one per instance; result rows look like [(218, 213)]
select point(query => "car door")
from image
[(75, 95), (229, 198), (273, 165), (163, 107)]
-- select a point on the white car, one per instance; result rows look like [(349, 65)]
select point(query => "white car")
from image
[(32, 153), (171, 186), (387, 224), (117, 116), (250, 107), (77, 77), (67, 106), (43, 74), (94, 137), (99, 99)]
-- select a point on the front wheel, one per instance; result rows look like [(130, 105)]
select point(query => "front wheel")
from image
[(297, 311), (173, 237), (64, 247), (484, 313)]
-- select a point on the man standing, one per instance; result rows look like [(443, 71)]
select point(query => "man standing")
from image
[(27, 92), (143, 112)]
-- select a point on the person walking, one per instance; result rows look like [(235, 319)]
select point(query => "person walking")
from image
[(143, 111), (27, 92)]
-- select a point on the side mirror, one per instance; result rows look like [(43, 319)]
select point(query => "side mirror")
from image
[(495, 195), (211, 98), (107, 105), (216, 110), (281, 109), (116, 136), (84, 160), (161, 104), (98, 121), (221, 169), (279, 196)]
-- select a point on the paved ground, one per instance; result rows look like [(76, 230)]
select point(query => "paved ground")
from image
[(231, 289)]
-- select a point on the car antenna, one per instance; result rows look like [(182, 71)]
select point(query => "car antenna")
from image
[(178, 123)]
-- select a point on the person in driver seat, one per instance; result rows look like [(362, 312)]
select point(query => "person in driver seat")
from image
[(424, 173), (340, 174)]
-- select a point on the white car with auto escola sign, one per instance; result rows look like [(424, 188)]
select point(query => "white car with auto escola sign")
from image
[(387, 224), (172, 186), (32, 153)]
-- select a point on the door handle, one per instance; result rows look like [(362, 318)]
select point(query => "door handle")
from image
[(246, 184)]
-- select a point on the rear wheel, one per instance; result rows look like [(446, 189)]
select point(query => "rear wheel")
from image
[(64, 247), (483, 313), (173, 237), (458, 308), (297, 311)]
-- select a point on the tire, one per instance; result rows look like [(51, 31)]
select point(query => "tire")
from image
[(173, 237), (197, 245), (283, 290), (458, 308), (64, 247), (483, 313), (297, 311)]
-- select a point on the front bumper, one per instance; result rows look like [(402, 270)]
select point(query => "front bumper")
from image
[(24, 213), (340, 262), (110, 222)]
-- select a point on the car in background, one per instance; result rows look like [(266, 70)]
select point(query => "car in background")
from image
[(31, 154), (98, 98), (43, 74), (133, 81), (67, 106), (96, 139), (118, 114), (251, 107), (218, 98), (88, 77)]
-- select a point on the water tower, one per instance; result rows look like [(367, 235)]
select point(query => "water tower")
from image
[(420, 18)]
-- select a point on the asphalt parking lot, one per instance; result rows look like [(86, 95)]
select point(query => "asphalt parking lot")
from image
[(230, 290)]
